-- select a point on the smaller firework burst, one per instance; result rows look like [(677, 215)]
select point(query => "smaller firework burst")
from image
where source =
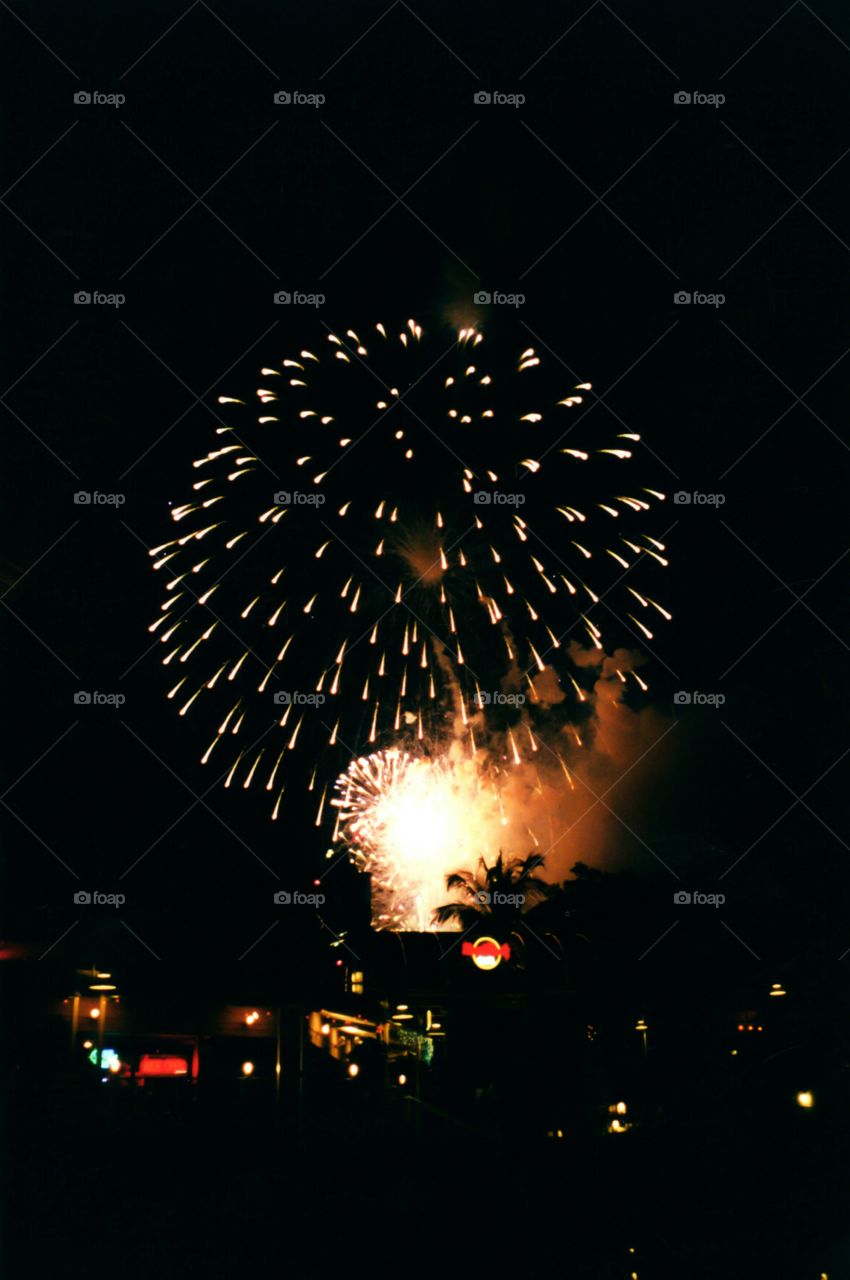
[(409, 820)]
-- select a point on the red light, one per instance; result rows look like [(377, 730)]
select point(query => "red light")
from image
[(339, 964), (167, 1065)]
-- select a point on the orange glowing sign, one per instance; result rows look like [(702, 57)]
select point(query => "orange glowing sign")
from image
[(486, 953)]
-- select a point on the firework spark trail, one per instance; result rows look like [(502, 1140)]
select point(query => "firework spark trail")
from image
[(398, 586)]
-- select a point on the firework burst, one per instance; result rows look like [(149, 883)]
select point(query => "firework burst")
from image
[(407, 817), (392, 533)]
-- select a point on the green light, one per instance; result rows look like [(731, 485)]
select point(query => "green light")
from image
[(108, 1057)]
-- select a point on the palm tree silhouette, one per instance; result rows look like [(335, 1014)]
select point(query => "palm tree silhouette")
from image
[(499, 894)]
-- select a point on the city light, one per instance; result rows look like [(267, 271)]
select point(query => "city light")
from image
[(353, 1069), (247, 1068), (162, 1065), (402, 1079), (777, 989), (805, 1099)]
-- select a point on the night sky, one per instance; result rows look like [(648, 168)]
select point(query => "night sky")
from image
[(598, 198)]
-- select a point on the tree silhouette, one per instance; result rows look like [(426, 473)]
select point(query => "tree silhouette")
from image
[(499, 894)]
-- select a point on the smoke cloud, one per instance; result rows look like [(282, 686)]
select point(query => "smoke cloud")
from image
[(582, 786)]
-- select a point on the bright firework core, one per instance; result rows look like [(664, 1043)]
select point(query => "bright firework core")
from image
[(410, 821)]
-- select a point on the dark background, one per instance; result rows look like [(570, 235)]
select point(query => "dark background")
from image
[(748, 400)]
